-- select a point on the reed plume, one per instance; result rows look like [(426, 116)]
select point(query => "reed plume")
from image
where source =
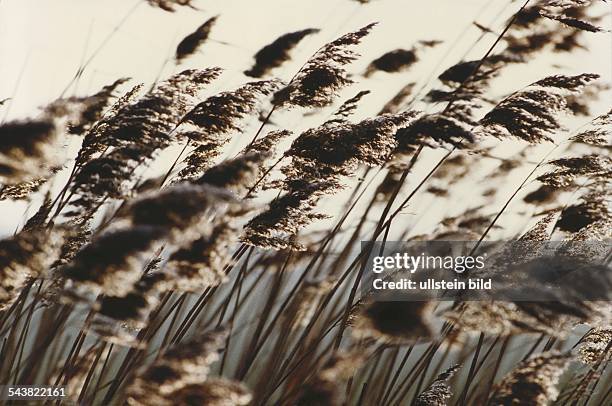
[(178, 368), (24, 256), (277, 226), (237, 175), (190, 44), (530, 114), (334, 149), (135, 133), (276, 53), (212, 392), (210, 123), (465, 86), (95, 138), (27, 150), (595, 345), (22, 190), (320, 158), (319, 80), (599, 133), (398, 59), (394, 105), (433, 130), (219, 114), (595, 206), (532, 382), (566, 16), (201, 263), (169, 5), (181, 210), (325, 387), (349, 106), (113, 262), (85, 111), (593, 166), (134, 307), (396, 322), (438, 391)]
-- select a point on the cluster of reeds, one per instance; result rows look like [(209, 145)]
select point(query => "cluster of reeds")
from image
[(233, 277)]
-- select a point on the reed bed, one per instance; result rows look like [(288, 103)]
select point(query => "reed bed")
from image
[(230, 274)]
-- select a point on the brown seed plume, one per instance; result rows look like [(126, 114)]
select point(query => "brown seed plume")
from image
[(576, 23), (201, 264), (210, 124), (21, 190), (180, 210), (26, 150), (593, 166), (531, 114), (276, 227), (182, 365), (334, 149), (394, 105), (117, 315), (95, 140), (392, 61), (275, 54), (348, 107), (532, 382), (320, 158), (438, 393), (433, 130), (219, 114), (85, 111), (113, 262), (595, 345), (399, 59), (319, 80), (212, 392), (595, 206), (134, 306), (135, 133), (326, 387), (396, 322), (190, 44), (200, 159), (236, 175), (23, 256), (170, 5)]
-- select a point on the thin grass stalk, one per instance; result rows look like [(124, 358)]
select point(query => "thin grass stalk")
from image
[(480, 365), (502, 352), (256, 341), (201, 302), (396, 376), (105, 41), (472, 372), (533, 347), (231, 322), (237, 282), (90, 373), (178, 305), (101, 373)]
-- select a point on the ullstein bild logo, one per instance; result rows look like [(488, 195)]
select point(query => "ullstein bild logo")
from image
[(469, 270)]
